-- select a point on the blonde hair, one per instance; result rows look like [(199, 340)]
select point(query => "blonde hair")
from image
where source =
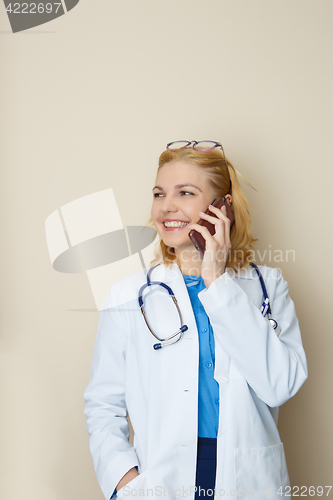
[(219, 172)]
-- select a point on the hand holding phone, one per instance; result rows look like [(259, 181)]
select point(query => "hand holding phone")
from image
[(197, 239)]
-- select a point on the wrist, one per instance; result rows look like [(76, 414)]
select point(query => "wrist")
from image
[(131, 474)]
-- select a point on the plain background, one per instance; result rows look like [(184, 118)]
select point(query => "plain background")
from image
[(88, 102)]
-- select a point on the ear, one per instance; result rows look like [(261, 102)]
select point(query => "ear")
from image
[(228, 198)]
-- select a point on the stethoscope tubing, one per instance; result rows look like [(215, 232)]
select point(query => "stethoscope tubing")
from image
[(182, 328)]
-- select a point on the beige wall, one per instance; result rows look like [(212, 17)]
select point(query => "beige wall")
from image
[(88, 102)]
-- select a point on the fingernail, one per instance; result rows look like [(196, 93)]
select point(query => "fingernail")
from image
[(202, 213)]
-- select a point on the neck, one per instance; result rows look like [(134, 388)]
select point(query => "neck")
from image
[(190, 261)]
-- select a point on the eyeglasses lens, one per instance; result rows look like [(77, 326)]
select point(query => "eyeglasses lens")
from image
[(206, 145), (177, 145)]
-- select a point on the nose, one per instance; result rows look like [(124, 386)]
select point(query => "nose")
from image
[(169, 205)]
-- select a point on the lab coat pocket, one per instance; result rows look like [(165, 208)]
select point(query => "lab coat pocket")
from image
[(136, 487), (261, 472)]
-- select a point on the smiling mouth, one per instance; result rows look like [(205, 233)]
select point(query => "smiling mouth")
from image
[(174, 224)]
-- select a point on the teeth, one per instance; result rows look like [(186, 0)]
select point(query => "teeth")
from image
[(175, 224)]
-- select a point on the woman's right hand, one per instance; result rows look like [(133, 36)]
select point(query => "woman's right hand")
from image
[(131, 474), (131, 488)]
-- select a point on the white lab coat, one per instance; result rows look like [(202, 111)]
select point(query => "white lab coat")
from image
[(257, 371)]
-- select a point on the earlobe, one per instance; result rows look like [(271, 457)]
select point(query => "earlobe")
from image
[(228, 198)]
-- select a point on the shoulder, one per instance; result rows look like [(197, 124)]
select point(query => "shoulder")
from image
[(248, 278), (125, 290), (250, 273)]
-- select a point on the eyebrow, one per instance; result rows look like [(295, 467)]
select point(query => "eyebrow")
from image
[(179, 186)]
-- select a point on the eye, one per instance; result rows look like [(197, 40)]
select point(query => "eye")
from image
[(158, 195)]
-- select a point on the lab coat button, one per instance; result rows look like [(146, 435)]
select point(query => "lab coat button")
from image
[(224, 379), (209, 365), (204, 329)]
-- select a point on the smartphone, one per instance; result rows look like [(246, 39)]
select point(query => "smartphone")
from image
[(197, 239)]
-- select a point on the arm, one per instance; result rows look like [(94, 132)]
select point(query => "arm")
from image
[(275, 367), (113, 455)]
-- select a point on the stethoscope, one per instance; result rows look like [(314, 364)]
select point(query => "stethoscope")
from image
[(265, 309), (182, 328)]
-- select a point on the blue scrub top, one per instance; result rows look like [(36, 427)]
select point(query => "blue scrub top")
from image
[(208, 397)]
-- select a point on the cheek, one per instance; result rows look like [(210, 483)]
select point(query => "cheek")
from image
[(200, 206)]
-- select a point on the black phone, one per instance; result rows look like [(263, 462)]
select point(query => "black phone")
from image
[(197, 239)]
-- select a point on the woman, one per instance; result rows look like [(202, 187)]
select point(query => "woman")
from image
[(204, 409)]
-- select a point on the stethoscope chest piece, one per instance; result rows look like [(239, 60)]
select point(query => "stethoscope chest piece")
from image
[(275, 326)]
